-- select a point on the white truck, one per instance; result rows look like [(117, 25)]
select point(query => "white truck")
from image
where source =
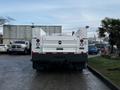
[(59, 49), (19, 46)]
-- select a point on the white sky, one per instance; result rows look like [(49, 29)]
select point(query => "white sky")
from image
[(71, 14)]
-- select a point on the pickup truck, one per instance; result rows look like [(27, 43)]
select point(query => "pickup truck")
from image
[(20, 46)]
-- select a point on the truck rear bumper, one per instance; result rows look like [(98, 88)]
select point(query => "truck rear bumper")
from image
[(60, 58)]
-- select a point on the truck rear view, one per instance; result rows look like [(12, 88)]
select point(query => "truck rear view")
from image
[(59, 49)]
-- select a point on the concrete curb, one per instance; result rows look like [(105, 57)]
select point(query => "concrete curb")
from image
[(110, 84)]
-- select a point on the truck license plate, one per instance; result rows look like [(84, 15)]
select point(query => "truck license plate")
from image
[(59, 48)]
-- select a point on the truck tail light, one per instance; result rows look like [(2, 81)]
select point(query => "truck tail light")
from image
[(37, 40), (81, 40), (37, 43), (34, 53)]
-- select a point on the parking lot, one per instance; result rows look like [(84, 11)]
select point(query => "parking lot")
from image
[(16, 73)]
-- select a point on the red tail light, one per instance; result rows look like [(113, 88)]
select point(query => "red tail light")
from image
[(81, 40), (37, 40), (37, 43), (34, 53)]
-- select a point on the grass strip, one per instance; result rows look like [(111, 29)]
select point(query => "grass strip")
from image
[(108, 67)]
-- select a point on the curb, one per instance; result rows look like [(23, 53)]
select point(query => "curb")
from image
[(110, 84)]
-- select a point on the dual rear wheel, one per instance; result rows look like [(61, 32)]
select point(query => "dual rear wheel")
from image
[(42, 66)]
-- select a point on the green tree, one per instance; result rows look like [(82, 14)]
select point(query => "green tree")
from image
[(112, 27)]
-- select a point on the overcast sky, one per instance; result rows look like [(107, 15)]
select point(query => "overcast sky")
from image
[(70, 14)]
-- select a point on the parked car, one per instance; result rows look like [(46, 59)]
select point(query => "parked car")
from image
[(92, 49), (4, 48), (106, 50), (100, 46), (19, 46)]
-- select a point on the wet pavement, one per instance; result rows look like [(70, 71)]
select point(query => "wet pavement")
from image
[(16, 73)]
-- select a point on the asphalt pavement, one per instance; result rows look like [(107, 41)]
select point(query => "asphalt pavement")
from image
[(16, 73)]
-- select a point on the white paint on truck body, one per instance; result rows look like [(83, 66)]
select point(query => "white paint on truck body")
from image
[(37, 32), (77, 43)]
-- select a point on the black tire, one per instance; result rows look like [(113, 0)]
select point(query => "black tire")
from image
[(7, 51), (38, 66), (10, 53), (25, 51), (34, 65), (78, 67)]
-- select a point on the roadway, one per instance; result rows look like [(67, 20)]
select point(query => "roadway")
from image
[(16, 73)]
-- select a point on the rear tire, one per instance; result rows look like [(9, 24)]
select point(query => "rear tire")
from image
[(34, 65), (38, 66), (78, 67), (10, 53)]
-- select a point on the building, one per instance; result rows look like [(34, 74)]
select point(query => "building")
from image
[(24, 32)]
